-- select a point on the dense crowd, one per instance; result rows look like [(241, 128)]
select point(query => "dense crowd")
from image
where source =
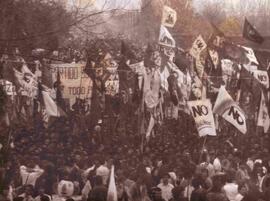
[(171, 167), (65, 162)]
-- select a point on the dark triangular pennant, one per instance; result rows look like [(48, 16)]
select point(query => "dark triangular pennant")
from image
[(250, 33)]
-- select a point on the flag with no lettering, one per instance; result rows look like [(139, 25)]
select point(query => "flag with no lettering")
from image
[(263, 115), (112, 192)]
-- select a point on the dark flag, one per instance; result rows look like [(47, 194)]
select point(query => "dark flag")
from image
[(37, 109), (59, 96), (250, 33), (98, 75), (213, 69)]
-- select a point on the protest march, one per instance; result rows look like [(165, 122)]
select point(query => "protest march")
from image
[(117, 119)]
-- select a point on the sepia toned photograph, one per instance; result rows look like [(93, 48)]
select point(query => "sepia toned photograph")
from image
[(134, 100)]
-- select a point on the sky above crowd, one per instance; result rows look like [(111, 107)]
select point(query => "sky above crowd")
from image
[(198, 4)]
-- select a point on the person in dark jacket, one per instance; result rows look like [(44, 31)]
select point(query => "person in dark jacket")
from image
[(215, 193), (99, 192)]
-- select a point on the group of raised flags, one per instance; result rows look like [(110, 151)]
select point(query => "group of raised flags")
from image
[(28, 89), (169, 18), (224, 106), (244, 59), (214, 70)]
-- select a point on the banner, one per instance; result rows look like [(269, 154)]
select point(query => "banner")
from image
[(229, 110), (165, 38), (8, 87), (169, 17), (197, 47), (75, 83), (201, 111), (263, 115)]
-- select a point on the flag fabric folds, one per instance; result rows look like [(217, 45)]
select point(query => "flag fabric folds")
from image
[(263, 115), (226, 107), (201, 111), (250, 33), (51, 107), (112, 192), (165, 37)]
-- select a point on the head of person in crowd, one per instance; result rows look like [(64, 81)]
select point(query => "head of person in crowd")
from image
[(165, 178), (156, 194), (218, 183), (230, 176), (45, 198), (243, 188)]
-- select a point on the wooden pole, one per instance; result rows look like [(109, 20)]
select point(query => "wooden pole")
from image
[(204, 142)]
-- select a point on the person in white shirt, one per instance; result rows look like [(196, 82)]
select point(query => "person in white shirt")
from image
[(30, 175), (104, 172), (217, 165), (166, 188), (231, 188)]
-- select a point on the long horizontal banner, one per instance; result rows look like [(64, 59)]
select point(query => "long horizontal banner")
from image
[(75, 83)]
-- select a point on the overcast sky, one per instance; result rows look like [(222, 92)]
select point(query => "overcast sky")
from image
[(198, 4)]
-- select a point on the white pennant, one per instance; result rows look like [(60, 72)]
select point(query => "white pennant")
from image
[(263, 116), (112, 192), (226, 107), (165, 38)]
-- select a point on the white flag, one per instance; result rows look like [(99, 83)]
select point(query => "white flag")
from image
[(201, 111), (169, 17), (263, 116), (226, 107), (165, 38), (251, 55), (50, 106), (112, 192), (197, 47), (262, 77)]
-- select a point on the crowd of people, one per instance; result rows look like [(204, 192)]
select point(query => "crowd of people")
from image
[(173, 166), (55, 163)]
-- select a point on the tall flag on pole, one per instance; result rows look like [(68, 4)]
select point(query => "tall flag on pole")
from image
[(51, 107), (59, 96), (165, 38), (197, 47), (226, 107), (250, 33), (201, 111), (169, 17), (263, 115), (112, 192)]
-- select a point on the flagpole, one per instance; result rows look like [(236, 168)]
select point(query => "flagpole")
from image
[(204, 142)]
